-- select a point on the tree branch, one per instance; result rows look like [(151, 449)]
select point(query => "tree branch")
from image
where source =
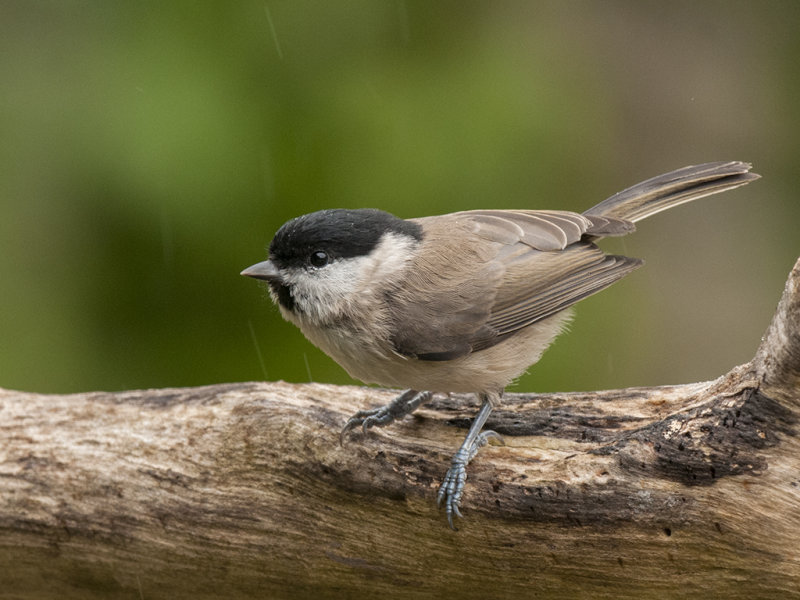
[(243, 490)]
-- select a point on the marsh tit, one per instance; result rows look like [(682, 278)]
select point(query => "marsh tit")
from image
[(462, 302)]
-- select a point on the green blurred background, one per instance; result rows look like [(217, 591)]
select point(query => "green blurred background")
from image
[(149, 150)]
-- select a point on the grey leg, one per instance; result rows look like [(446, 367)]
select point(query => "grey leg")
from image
[(453, 485), (403, 405)]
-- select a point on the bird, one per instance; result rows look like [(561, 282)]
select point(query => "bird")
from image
[(463, 302)]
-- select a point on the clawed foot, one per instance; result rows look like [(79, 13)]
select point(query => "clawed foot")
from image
[(452, 487), (398, 408)]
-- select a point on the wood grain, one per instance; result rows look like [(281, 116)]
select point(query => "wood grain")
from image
[(243, 490)]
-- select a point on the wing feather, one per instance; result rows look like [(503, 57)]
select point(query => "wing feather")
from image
[(519, 268)]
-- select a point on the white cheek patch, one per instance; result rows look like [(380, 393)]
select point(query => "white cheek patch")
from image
[(324, 294), (318, 294), (388, 258)]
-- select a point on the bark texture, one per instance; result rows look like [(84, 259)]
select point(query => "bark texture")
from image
[(243, 490)]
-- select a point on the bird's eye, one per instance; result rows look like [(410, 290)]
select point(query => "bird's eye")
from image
[(319, 259)]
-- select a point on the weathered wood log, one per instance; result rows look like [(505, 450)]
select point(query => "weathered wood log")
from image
[(243, 490)]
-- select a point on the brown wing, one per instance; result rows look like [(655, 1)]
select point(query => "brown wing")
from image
[(555, 281), (520, 267)]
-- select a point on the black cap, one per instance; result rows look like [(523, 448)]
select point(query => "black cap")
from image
[(339, 232)]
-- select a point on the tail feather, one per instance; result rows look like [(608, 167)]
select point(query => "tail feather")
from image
[(673, 188)]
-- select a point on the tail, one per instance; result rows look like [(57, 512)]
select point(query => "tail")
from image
[(671, 189)]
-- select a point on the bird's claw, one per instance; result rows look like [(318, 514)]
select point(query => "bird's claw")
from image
[(368, 418), (404, 404), (452, 488)]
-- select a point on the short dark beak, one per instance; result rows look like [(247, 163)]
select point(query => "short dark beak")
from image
[(264, 270)]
